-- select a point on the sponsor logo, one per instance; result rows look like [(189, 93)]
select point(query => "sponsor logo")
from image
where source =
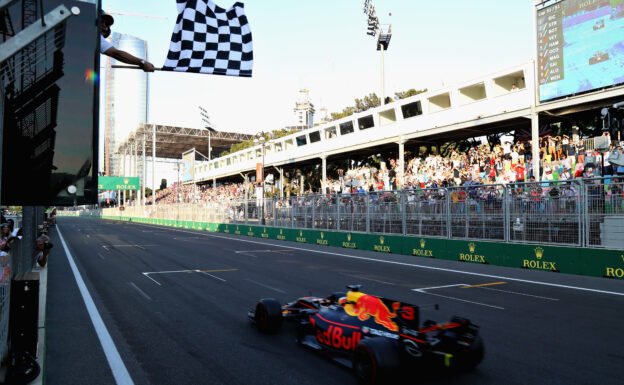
[(537, 263), (250, 232), (380, 333), (422, 252), (227, 230), (615, 272), (334, 337), (412, 348), (301, 238), (348, 244), (126, 181), (322, 240), (237, 231), (539, 252), (368, 306), (381, 247), (471, 257), (281, 235), (264, 234)]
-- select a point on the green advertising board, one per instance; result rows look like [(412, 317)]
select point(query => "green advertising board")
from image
[(118, 183), (556, 259)]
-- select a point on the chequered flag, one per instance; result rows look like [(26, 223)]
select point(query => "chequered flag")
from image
[(210, 40)]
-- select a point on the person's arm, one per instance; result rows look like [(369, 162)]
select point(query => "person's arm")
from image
[(125, 57)]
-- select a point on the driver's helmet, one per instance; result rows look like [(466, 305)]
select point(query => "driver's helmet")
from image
[(342, 301)]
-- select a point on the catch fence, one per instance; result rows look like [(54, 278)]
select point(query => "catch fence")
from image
[(579, 212)]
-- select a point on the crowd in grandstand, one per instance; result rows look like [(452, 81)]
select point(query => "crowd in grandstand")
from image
[(191, 193), (561, 159)]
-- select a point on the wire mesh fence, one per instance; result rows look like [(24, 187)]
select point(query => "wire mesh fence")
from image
[(579, 212)]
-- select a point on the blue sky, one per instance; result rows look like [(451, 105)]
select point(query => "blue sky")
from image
[(322, 45)]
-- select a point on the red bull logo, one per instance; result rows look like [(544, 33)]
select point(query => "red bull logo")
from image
[(367, 306), (334, 337)]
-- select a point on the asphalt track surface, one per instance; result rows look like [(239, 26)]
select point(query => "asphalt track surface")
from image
[(175, 301)]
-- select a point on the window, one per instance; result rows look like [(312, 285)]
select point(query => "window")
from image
[(366, 122), (315, 137), (330, 132), (346, 128), (411, 109), (301, 140)]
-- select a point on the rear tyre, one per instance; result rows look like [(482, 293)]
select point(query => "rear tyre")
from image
[(473, 356), (268, 315), (375, 359)]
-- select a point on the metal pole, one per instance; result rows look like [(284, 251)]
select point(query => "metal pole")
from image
[(401, 182), (383, 86), (367, 197), (209, 146), (123, 173), (144, 178), (535, 142), (263, 185), (324, 167), (154, 165)]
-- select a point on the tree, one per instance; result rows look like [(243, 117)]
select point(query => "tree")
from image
[(406, 94), (163, 184)]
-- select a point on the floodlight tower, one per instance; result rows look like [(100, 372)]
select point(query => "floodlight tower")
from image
[(383, 32), (206, 120)]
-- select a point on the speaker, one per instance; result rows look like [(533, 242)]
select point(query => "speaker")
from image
[(24, 313)]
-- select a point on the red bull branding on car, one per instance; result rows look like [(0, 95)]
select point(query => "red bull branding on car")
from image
[(335, 338), (365, 306)]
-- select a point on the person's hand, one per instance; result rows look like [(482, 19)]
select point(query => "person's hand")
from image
[(148, 67)]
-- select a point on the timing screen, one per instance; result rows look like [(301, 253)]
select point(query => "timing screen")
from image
[(580, 46)]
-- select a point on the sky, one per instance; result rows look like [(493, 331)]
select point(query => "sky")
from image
[(322, 46)]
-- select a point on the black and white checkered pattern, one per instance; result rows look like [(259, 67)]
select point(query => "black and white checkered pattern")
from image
[(211, 40)]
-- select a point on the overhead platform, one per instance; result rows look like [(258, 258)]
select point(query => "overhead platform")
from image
[(172, 141)]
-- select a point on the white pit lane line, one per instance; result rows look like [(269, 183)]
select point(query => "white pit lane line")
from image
[(424, 291), (116, 364), (407, 264)]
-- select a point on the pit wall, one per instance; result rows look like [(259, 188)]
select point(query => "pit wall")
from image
[(570, 260)]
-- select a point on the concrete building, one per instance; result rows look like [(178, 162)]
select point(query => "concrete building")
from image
[(125, 101)]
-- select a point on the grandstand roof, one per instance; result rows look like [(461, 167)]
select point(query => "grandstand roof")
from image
[(172, 141)]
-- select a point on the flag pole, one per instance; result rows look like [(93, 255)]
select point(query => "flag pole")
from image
[(134, 67)]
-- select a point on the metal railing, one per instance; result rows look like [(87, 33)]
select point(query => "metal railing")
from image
[(579, 212)]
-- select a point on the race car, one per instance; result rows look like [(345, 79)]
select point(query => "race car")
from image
[(598, 57), (599, 24), (376, 337)]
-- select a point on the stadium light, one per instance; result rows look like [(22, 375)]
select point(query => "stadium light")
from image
[(383, 33), (206, 119)]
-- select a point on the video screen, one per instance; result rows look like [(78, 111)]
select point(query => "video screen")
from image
[(580, 47), (49, 122)]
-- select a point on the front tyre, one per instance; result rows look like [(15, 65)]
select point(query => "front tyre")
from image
[(268, 315), (375, 359)]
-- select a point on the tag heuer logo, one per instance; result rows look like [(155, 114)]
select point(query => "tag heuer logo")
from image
[(422, 243), (471, 247), (539, 252), (349, 237), (381, 240), (126, 181)]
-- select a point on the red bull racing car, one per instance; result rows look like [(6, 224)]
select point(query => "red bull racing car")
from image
[(376, 337)]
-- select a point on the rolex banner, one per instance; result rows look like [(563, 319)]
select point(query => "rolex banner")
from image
[(118, 183)]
